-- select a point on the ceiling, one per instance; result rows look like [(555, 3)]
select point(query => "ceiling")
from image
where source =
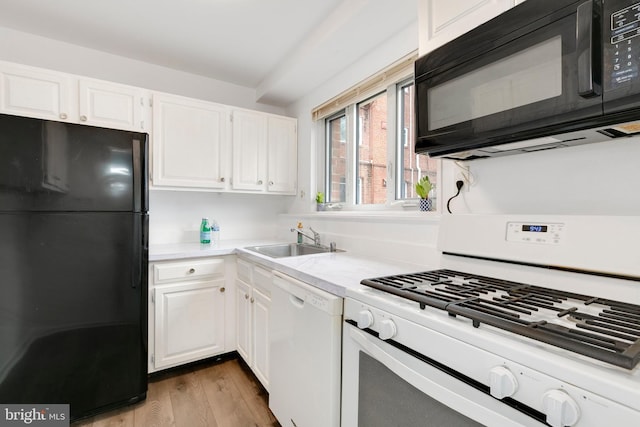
[(282, 48)]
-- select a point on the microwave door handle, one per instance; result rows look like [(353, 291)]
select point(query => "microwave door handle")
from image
[(585, 50)]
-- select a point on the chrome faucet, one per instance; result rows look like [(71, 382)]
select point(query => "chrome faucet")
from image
[(315, 238)]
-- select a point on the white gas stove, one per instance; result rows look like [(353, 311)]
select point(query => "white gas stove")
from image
[(530, 321)]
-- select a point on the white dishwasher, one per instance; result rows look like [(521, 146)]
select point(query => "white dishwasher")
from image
[(305, 353)]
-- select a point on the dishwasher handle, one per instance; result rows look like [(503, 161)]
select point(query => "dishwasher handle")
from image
[(302, 294), (296, 301)]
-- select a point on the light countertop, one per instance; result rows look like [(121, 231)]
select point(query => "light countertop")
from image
[(333, 272)]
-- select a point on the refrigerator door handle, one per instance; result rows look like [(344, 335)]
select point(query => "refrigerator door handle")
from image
[(138, 252)]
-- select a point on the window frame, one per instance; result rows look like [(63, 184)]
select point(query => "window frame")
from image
[(396, 140)]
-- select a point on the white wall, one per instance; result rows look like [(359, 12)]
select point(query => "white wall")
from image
[(29, 49), (590, 179), (406, 237), (175, 216)]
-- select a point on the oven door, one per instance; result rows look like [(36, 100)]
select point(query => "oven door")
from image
[(501, 84), (384, 385)]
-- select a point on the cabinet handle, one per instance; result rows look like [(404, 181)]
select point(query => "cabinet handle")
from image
[(222, 179), (246, 296), (83, 118), (63, 116), (270, 182), (222, 289), (192, 270), (252, 300), (259, 182)]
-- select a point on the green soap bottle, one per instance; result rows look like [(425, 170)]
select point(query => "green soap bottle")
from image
[(205, 232)]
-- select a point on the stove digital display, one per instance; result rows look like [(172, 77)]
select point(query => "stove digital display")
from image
[(535, 228)]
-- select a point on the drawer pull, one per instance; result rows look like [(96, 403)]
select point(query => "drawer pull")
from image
[(246, 296), (222, 289), (192, 270)]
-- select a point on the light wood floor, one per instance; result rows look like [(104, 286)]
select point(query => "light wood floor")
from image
[(220, 394)]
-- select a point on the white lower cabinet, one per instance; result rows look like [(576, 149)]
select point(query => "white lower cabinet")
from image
[(253, 305), (188, 311)]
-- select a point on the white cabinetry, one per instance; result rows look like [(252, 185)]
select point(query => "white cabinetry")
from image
[(190, 143), (443, 20), (253, 305), (264, 152), (187, 311), (32, 92), (44, 94), (111, 105)]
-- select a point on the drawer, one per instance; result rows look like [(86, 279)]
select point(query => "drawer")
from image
[(187, 270), (262, 279), (244, 270)]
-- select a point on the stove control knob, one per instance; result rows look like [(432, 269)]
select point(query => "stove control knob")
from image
[(365, 319), (561, 410), (502, 383), (387, 329)]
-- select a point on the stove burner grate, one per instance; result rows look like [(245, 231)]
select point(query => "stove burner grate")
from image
[(599, 328)]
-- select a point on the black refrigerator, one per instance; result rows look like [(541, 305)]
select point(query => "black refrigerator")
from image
[(73, 265)]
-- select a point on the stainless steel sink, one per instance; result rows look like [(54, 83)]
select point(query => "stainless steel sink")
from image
[(289, 249)]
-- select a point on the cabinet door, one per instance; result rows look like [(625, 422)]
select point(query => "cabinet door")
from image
[(283, 158), (36, 93), (261, 306), (443, 20), (190, 141), (249, 150), (111, 105), (243, 321), (189, 323)]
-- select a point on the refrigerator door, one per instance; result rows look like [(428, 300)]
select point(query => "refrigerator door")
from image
[(53, 166), (73, 309)]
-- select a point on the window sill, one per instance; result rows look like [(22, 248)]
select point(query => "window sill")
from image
[(389, 216)]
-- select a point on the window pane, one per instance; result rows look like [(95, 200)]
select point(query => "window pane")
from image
[(372, 150), (414, 166), (337, 162)]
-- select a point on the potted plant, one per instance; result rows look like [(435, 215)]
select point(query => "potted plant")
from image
[(423, 187), (320, 204)]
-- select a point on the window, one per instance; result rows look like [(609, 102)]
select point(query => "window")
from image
[(336, 136), (370, 151), (412, 166)]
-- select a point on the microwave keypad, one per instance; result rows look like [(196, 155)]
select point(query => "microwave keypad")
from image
[(623, 54)]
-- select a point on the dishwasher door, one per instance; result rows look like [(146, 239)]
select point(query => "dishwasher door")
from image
[(305, 353)]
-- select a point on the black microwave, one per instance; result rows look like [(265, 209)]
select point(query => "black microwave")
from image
[(544, 74)]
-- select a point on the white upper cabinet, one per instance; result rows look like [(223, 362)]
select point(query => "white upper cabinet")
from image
[(249, 150), (194, 146), (34, 92), (190, 143), (283, 157), (111, 105), (264, 152), (443, 20)]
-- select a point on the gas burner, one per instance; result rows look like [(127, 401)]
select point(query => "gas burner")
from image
[(599, 328)]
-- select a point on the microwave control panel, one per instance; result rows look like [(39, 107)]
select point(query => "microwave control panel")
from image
[(538, 233), (622, 47)]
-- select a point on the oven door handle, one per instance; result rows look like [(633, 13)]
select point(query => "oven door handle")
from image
[(431, 388)]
